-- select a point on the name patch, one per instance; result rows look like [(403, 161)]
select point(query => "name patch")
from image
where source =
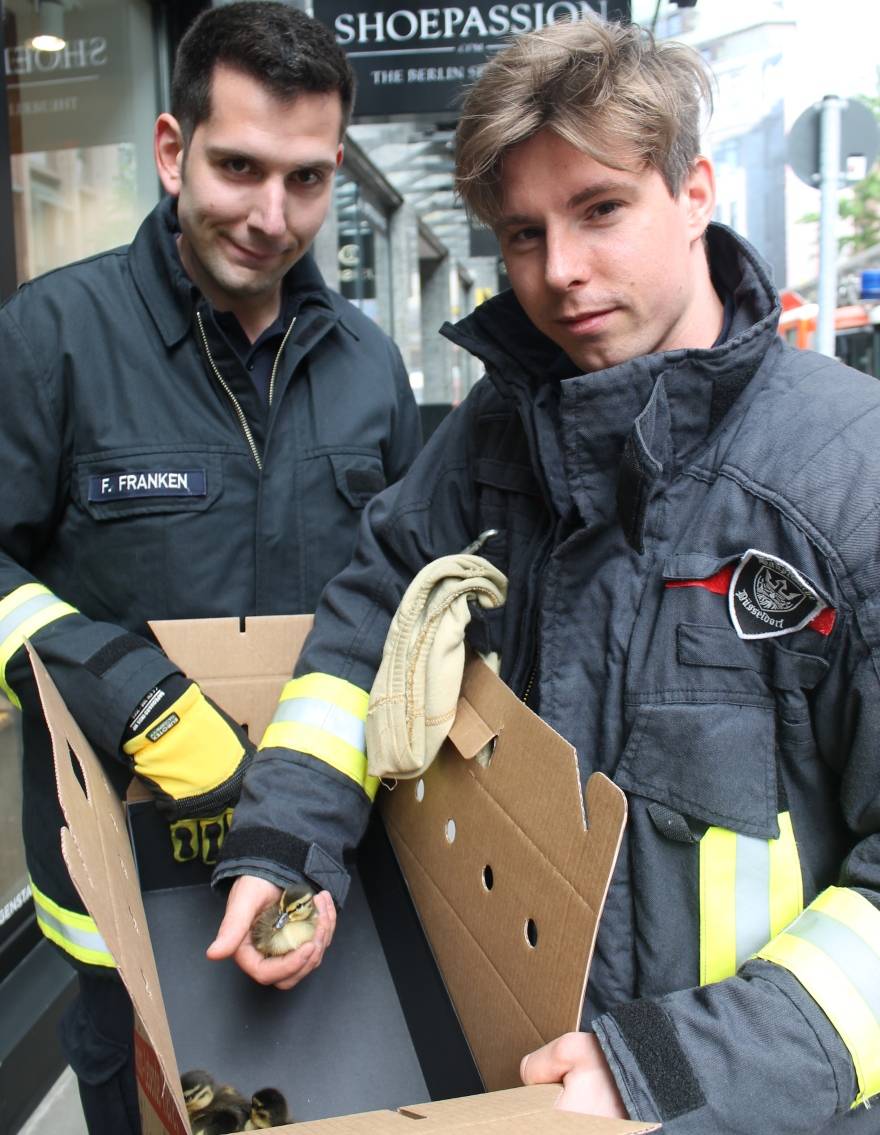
[(148, 483)]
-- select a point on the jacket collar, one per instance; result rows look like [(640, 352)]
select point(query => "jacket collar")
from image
[(642, 419), (169, 294), (502, 336)]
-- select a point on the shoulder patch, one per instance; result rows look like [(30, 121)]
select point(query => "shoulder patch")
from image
[(768, 597)]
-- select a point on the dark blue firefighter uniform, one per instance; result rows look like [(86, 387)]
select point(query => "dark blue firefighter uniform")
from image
[(693, 545), (149, 476)]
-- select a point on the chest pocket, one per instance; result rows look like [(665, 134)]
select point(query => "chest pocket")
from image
[(143, 534), (709, 712), (121, 484)]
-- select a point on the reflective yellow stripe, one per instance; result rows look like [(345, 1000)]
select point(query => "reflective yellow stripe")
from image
[(75, 933), (786, 882), (833, 949), (337, 691), (717, 905), (750, 890), (324, 716), (22, 613)]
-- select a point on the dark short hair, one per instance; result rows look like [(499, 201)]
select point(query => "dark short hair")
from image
[(280, 46)]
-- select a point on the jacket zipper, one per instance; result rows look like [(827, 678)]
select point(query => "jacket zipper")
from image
[(277, 360), (239, 413)]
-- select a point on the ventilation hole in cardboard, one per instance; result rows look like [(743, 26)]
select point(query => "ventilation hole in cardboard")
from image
[(450, 831), (531, 933), (420, 790), (488, 878), (78, 771)]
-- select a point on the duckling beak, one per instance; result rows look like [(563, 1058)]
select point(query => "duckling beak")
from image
[(280, 920)]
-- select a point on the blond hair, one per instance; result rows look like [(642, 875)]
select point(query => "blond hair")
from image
[(607, 89)]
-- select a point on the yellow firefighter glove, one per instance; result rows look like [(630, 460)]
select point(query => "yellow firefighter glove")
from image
[(193, 757)]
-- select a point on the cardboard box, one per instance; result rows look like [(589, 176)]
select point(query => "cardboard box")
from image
[(509, 883)]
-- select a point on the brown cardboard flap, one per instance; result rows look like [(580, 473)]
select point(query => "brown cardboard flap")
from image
[(241, 668), (509, 875), (521, 1111), (96, 850), (469, 732)]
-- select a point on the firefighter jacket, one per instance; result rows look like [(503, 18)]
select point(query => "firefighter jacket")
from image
[(691, 541), (144, 480)]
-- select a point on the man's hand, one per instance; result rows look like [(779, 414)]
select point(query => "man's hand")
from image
[(247, 898), (577, 1063)]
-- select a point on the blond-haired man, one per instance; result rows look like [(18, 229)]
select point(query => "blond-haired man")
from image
[(687, 515)]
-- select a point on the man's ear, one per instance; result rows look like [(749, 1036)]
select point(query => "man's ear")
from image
[(340, 154), (698, 191), (168, 150)]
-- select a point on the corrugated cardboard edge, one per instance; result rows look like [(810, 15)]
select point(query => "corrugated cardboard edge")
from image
[(96, 849), (520, 860), (243, 667), (520, 1111)]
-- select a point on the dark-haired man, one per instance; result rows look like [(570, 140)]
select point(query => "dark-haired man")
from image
[(686, 510), (192, 426)]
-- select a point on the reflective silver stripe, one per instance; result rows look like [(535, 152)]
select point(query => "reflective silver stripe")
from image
[(323, 715), (849, 951), (80, 939), (17, 617), (752, 891)]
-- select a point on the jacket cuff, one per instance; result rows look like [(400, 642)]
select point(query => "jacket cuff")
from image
[(282, 859), (653, 1074), (102, 672)]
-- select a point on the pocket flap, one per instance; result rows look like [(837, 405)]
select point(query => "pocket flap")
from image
[(359, 477), (713, 761), (721, 647)]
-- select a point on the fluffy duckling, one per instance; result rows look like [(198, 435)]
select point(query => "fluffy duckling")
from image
[(219, 1119), (213, 1108), (268, 1109), (289, 923)]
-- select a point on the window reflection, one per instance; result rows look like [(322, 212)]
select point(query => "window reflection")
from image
[(80, 130)]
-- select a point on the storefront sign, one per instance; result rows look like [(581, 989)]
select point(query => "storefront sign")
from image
[(78, 96), (416, 60)]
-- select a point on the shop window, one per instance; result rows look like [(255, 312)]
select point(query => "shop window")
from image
[(80, 129), (363, 252), (80, 123)]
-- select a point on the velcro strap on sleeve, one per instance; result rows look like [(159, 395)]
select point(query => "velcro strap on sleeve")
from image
[(23, 612), (324, 717), (833, 949), (188, 750), (650, 1036), (113, 651), (267, 843)]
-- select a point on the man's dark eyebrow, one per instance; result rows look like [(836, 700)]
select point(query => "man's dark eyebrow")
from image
[(219, 153), (588, 193), (599, 189)]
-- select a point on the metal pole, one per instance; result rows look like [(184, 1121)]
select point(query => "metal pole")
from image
[(829, 183)]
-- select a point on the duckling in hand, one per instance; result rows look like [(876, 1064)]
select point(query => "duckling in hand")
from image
[(268, 1109), (291, 922), (213, 1108)]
